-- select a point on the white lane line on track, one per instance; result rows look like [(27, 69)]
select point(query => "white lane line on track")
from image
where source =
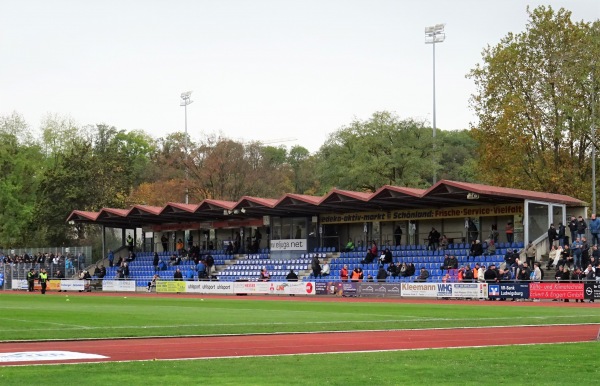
[(75, 326)]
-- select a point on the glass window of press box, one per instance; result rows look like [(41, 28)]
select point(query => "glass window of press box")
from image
[(288, 228)]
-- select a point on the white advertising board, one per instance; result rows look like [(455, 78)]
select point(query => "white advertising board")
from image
[(118, 285), (72, 285), (209, 287), (288, 245)]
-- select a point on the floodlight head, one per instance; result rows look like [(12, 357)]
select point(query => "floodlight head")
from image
[(243, 210), (435, 34), (186, 95), (225, 213)]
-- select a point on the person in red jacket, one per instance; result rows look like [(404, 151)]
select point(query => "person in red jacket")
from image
[(344, 273)]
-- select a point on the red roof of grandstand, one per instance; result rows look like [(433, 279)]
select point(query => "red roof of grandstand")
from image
[(445, 193)]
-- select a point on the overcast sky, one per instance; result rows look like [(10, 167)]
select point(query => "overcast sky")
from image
[(259, 69)]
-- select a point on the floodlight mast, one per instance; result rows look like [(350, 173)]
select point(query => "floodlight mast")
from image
[(185, 101), (434, 34)]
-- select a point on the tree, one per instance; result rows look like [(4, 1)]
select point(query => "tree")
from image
[(533, 104), (382, 150)]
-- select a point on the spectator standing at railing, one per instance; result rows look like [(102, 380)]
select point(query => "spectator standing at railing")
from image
[(344, 273), (264, 275), (189, 274), (594, 228), (210, 266), (315, 265), (59, 275), (155, 261), (433, 239), (585, 253), (178, 276), (291, 276)]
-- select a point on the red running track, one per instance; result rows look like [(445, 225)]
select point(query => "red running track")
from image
[(286, 344)]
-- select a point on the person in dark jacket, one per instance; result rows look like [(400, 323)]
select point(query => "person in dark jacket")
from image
[(552, 235), (178, 276), (490, 275), (315, 265), (291, 276), (393, 269), (524, 273), (476, 249), (387, 257), (381, 274), (155, 261), (450, 262)]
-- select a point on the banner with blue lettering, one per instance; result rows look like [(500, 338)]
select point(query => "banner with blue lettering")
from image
[(1, 280), (508, 290)]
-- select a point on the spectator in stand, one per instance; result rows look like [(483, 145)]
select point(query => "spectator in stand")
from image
[(96, 271), (152, 283), (189, 274), (381, 274), (524, 273), (591, 275), (349, 246), (344, 273), (585, 253), (461, 275), (450, 263), (573, 229), (433, 239), (398, 235), (119, 274), (537, 274), (371, 254), (594, 228), (423, 276), (509, 258), (472, 231), (291, 276), (581, 227), (178, 276), (552, 235), (393, 269), (468, 274), (509, 229), (530, 252), (164, 239), (386, 257), (491, 249), (554, 256), (576, 249), (481, 274), (130, 257), (357, 274), (476, 249), (210, 266), (59, 275), (490, 275), (561, 234), (155, 261), (444, 243), (325, 269), (315, 265), (494, 233), (126, 270), (578, 277), (264, 275), (102, 272), (201, 269), (175, 260), (410, 269), (111, 258), (179, 247), (559, 275), (119, 262)]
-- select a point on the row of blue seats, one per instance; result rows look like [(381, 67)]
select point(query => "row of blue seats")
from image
[(422, 259)]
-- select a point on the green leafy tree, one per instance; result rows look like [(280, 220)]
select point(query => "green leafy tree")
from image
[(534, 105)]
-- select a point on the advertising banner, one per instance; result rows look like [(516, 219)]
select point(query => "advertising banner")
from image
[(556, 290), (321, 288), (424, 290), (274, 288), (19, 284), (508, 291), (423, 214), (592, 291), (72, 285), (209, 287), (51, 285), (347, 289), (118, 285), (1, 279), (383, 290), (470, 290), (164, 286), (288, 245)]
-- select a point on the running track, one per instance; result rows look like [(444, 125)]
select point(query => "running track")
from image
[(288, 344)]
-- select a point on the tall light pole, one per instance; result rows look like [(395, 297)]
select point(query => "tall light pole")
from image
[(434, 34), (185, 101), (593, 142)]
